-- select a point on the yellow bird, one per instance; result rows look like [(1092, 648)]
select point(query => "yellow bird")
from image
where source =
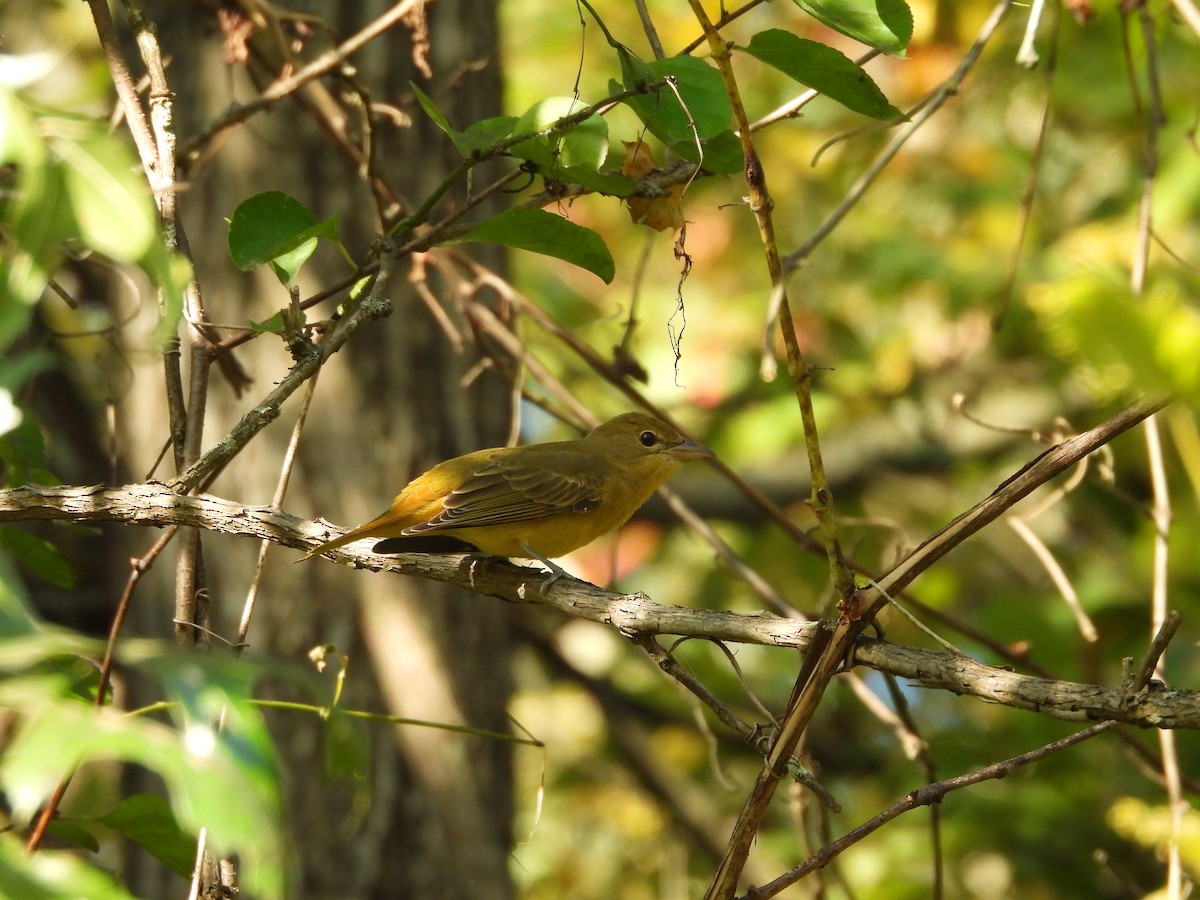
[(533, 502)]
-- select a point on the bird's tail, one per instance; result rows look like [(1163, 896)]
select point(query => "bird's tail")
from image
[(332, 545)]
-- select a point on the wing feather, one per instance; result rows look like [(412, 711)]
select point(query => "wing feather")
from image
[(503, 492)]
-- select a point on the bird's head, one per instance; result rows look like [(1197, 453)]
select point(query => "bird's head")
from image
[(636, 437)]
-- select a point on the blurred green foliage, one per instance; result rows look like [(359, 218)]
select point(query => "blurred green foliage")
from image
[(913, 298)]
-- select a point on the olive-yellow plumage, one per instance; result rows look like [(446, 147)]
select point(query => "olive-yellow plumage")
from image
[(538, 501)]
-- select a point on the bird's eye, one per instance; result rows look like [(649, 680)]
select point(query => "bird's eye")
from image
[(648, 438)]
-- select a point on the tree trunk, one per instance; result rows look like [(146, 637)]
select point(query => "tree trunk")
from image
[(433, 817)]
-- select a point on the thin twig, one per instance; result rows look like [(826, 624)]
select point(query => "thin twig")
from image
[(926, 796), (1190, 14), (1164, 628), (665, 661), (323, 64), (649, 28), (285, 472), (1154, 122), (1037, 155), (1151, 662), (727, 16), (1066, 590), (127, 96), (761, 205), (1027, 54), (929, 767)]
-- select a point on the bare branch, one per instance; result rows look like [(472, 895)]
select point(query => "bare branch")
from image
[(156, 504)]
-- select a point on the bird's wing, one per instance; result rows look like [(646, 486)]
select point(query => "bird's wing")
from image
[(501, 492)]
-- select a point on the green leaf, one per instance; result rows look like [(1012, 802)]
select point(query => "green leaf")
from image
[(51, 670), (37, 214), (722, 154), (823, 69), (347, 754), (478, 136), (431, 110), (52, 875), (19, 367), (77, 183), (211, 689), (584, 145), (17, 619), (484, 134), (347, 746), (221, 780), (110, 198), (602, 182), (147, 820), (76, 832), (698, 85), (286, 265), (886, 25), (548, 234), (275, 228), (25, 642), (23, 455), (276, 324), (39, 556)]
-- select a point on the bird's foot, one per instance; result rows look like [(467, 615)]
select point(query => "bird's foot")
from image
[(556, 571)]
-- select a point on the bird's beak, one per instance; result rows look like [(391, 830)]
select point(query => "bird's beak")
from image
[(689, 449)]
